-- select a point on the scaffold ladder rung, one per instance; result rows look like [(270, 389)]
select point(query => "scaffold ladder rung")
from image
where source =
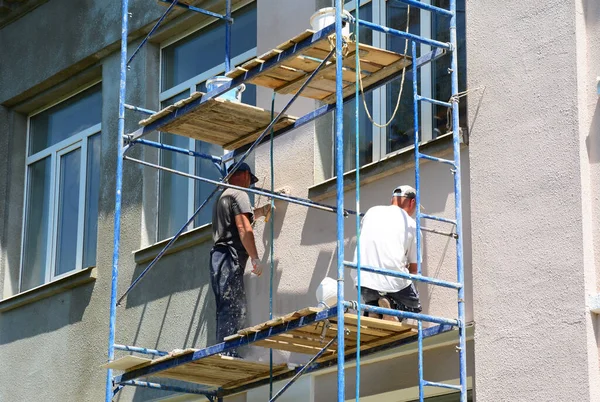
[(434, 101), (438, 218), (436, 159), (428, 7), (441, 385)]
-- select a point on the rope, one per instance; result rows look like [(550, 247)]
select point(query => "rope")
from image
[(456, 98), (362, 90)]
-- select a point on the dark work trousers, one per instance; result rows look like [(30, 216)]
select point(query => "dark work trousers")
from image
[(406, 299), (227, 281)]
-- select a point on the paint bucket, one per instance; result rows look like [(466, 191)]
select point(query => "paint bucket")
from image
[(325, 17), (327, 293), (233, 95)]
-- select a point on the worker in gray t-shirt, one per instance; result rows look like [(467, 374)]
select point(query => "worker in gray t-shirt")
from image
[(233, 244)]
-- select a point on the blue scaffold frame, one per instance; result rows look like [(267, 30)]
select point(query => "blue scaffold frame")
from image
[(126, 141)]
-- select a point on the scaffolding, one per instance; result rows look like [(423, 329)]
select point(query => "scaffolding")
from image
[(308, 57)]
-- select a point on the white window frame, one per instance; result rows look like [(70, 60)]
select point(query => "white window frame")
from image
[(191, 85), (74, 142), (379, 108)]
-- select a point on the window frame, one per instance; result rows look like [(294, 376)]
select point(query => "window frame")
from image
[(192, 85), (79, 141)]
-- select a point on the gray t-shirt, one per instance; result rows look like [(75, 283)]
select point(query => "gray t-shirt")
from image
[(225, 233)]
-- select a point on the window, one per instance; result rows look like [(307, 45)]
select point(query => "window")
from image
[(433, 81), (186, 64), (62, 188)]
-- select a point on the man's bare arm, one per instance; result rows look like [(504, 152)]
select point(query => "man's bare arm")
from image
[(246, 234), (412, 268)]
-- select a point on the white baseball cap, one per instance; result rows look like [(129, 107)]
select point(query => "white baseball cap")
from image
[(405, 191)]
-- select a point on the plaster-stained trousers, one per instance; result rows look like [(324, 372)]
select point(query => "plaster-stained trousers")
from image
[(227, 281)]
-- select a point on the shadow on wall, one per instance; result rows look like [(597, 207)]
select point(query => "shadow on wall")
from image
[(592, 141), (591, 9), (181, 271), (185, 271), (46, 315)]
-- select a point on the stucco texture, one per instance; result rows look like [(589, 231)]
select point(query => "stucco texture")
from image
[(526, 192)]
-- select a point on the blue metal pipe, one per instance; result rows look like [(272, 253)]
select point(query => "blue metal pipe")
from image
[(441, 385), (416, 140), (339, 171), (302, 370), (404, 275), (118, 187), (257, 191), (405, 35), (154, 28), (402, 314), (436, 159), (117, 389), (272, 240), (139, 109), (428, 7), (462, 351), (438, 218), (434, 101), (228, 23), (140, 350), (200, 10), (230, 172), (357, 200), (183, 151), (162, 387)]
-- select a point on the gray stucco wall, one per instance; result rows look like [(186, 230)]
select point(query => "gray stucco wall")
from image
[(530, 199)]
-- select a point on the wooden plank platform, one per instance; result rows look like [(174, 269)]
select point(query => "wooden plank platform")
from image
[(312, 338), (227, 372), (218, 121), (216, 370), (287, 76)]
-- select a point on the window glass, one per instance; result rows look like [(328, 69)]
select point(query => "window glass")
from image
[(205, 49), (68, 212), (92, 195), (195, 59), (173, 188), (400, 133), (365, 126), (36, 224), (60, 122), (61, 210)]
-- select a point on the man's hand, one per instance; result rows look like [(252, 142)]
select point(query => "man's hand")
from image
[(265, 211), (256, 267)]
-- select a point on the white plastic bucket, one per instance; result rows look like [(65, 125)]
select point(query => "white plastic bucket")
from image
[(327, 293), (233, 95), (325, 17)]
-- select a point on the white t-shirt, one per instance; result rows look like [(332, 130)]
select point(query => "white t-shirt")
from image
[(387, 240)]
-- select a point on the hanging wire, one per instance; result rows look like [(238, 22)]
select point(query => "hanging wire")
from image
[(364, 99), (357, 162)]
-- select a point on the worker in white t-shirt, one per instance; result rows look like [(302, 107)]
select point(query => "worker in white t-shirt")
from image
[(388, 240)]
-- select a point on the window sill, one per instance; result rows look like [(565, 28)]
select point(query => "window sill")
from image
[(391, 164), (190, 238), (49, 289)]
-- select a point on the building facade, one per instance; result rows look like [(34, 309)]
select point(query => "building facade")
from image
[(530, 196)]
